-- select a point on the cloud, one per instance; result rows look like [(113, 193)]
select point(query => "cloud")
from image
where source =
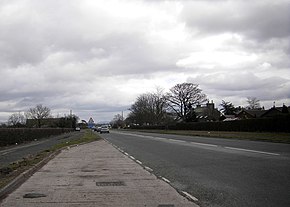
[(260, 20), (96, 57)]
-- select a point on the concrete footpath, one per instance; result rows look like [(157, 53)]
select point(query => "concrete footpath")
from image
[(94, 174)]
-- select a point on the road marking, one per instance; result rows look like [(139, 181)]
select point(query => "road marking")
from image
[(203, 144), (139, 162), (148, 169), (190, 197), (176, 140), (166, 180), (126, 153), (254, 151), (133, 158)]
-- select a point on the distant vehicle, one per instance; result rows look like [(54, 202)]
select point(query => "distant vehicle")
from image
[(78, 129), (98, 129), (104, 129)]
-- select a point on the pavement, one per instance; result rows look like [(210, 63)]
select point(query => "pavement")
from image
[(95, 174)]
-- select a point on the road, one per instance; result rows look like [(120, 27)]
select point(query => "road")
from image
[(218, 172), (15, 153)]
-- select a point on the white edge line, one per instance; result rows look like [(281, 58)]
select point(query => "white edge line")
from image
[(191, 197), (166, 180), (139, 162), (254, 151), (148, 169)]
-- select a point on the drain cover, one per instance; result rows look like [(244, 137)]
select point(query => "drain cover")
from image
[(34, 195), (118, 183)]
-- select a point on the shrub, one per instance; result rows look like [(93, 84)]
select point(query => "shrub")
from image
[(9, 136)]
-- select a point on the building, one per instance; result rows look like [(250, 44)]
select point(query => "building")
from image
[(207, 112)]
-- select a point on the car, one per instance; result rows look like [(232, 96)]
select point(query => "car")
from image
[(78, 129), (104, 129), (98, 129)]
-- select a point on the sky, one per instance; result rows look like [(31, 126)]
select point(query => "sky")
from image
[(96, 57)]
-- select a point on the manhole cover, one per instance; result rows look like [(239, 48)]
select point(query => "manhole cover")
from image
[(118, 183), (34, 195)]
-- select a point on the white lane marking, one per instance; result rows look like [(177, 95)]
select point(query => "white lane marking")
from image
[(203, 144), (177, 140), (191, 197), (254, 151), (148, 169), (166, 180), (133, 158), (139, 162), (126, 153)]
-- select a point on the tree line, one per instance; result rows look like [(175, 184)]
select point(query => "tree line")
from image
[(158, 108), (37, 115), (177, 105)]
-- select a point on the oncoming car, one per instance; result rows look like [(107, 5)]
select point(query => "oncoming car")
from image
[(104, 129)]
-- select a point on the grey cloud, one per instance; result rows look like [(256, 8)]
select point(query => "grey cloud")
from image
[(257, 20), (242, 84)]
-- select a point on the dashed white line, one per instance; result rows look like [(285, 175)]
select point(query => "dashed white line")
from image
[(148, 169), (190, 197), (166, 180), (139, 162), (126, 153), (133, 158), (254, 151), (203, 144), (176, 140)]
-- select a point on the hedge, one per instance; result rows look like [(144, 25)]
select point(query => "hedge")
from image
[(9, 136), (275, 124)]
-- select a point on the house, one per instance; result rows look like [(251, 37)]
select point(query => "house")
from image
[(262, 113), (207, 112), (276, 111), (250, 113)]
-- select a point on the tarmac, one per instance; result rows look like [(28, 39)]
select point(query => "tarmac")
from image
[(95, 174)]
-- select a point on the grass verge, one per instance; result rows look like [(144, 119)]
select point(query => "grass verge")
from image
[(254, 136), (7, 174)]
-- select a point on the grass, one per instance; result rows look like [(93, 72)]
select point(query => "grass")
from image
[(7, 174), (254, 136)]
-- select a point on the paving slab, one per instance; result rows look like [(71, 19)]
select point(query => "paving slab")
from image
[(94, 174)]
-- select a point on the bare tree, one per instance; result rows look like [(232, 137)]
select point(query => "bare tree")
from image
[(16, 120), (118, 121), (182, 98), (253, 102), (38, 113), (149, 108)]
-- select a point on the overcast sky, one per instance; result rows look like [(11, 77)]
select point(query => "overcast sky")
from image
[(96, 57)]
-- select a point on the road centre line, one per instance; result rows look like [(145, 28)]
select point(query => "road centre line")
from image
[(207, 145), (254, 151)]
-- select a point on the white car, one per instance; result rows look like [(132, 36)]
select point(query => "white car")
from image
[(104, 129)]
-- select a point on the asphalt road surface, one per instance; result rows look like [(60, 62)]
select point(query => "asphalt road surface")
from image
[(218, 172), (17, 152)]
